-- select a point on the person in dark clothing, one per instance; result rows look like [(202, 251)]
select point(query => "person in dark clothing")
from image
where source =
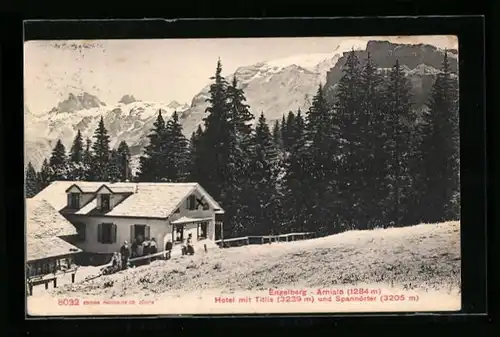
[(168, 249), (134, 248), (152, 248), (125, 254)]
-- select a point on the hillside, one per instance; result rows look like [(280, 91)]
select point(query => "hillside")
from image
[(419, 257)]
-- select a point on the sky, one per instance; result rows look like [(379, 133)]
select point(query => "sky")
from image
[(160, 70)]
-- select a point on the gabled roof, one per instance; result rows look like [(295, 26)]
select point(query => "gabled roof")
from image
[(146, 200), (43, 248), (43, 220)]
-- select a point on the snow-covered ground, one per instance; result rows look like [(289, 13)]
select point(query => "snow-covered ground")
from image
[(420, 262)]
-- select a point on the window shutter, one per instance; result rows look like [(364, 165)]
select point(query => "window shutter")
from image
[(147, 232), (132, 237), (98, 198), (69, 199), (99, 232), (187, 203), (114, 233)]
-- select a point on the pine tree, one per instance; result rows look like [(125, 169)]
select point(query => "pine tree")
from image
[(45, 174), (239, 112), (288, 131), (402, 119), (174, 149), (87, 161), (347, 108), (373, 153), (438, 152), (296, 180), (278, 140), (76, 152), (150, 162), (196, 156), (31, 181), (123, 157), (58, 162), (113, 170), (324, 143), (265, 165), (101, 153), (75, 163)]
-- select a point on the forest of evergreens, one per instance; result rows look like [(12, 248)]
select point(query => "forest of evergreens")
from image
[(362, 159)]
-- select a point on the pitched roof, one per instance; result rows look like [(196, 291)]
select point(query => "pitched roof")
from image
[(48, 247), (43, 220), (147, 200)]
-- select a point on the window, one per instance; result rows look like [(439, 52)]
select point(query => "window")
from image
[(202, 230), (191, 203), (81, 229), (106, 233), (105, 202), (74, 200)]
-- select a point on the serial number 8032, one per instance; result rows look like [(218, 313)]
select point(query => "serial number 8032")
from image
[(68, 301)]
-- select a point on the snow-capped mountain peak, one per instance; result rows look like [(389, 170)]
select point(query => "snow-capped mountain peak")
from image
[(78, 102)]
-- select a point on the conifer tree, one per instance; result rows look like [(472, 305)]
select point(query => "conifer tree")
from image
[(196, 156), (218, 138), (288, 131), (58, 162), (277, 134), (101, 153), (123, 157), (347, 108), (373, 152), (401, 119), (87, 161), (76, 166), (296, 178), (76, 151), (174, 149), (45, 174), (31, 181), (239, 112), (113, 169), (438, 152), (150, 169), (265, 165), (324, 143)]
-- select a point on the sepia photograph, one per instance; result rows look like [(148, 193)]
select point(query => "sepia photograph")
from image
[(242, 175)]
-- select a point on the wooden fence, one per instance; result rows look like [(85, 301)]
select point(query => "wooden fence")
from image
[(262, 239)]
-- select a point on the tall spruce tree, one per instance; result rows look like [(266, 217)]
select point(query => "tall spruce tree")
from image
[(265, 167), (76, 166), (196, 156), (402, 120), (218, 138), (101, 153), (150, 169), (174, 149), (373, 153), (123, 157), (347, 108), (87, 161), (58, 162), (113, 170), (76, 151), (31, 181), (288, 131), (324, 143), (277, 134), (438, 151), (45, 175), (296, 180)]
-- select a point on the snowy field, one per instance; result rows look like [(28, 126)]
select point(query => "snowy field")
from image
[(418, 262)]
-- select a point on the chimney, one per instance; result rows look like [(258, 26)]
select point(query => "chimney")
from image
[(136, 188)]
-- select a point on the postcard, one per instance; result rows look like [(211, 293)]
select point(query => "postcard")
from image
[(242, 176)]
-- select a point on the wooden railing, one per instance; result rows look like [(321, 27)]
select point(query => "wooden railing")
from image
[(262, 239)]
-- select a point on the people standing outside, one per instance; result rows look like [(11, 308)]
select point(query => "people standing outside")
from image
[(125, 254)]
